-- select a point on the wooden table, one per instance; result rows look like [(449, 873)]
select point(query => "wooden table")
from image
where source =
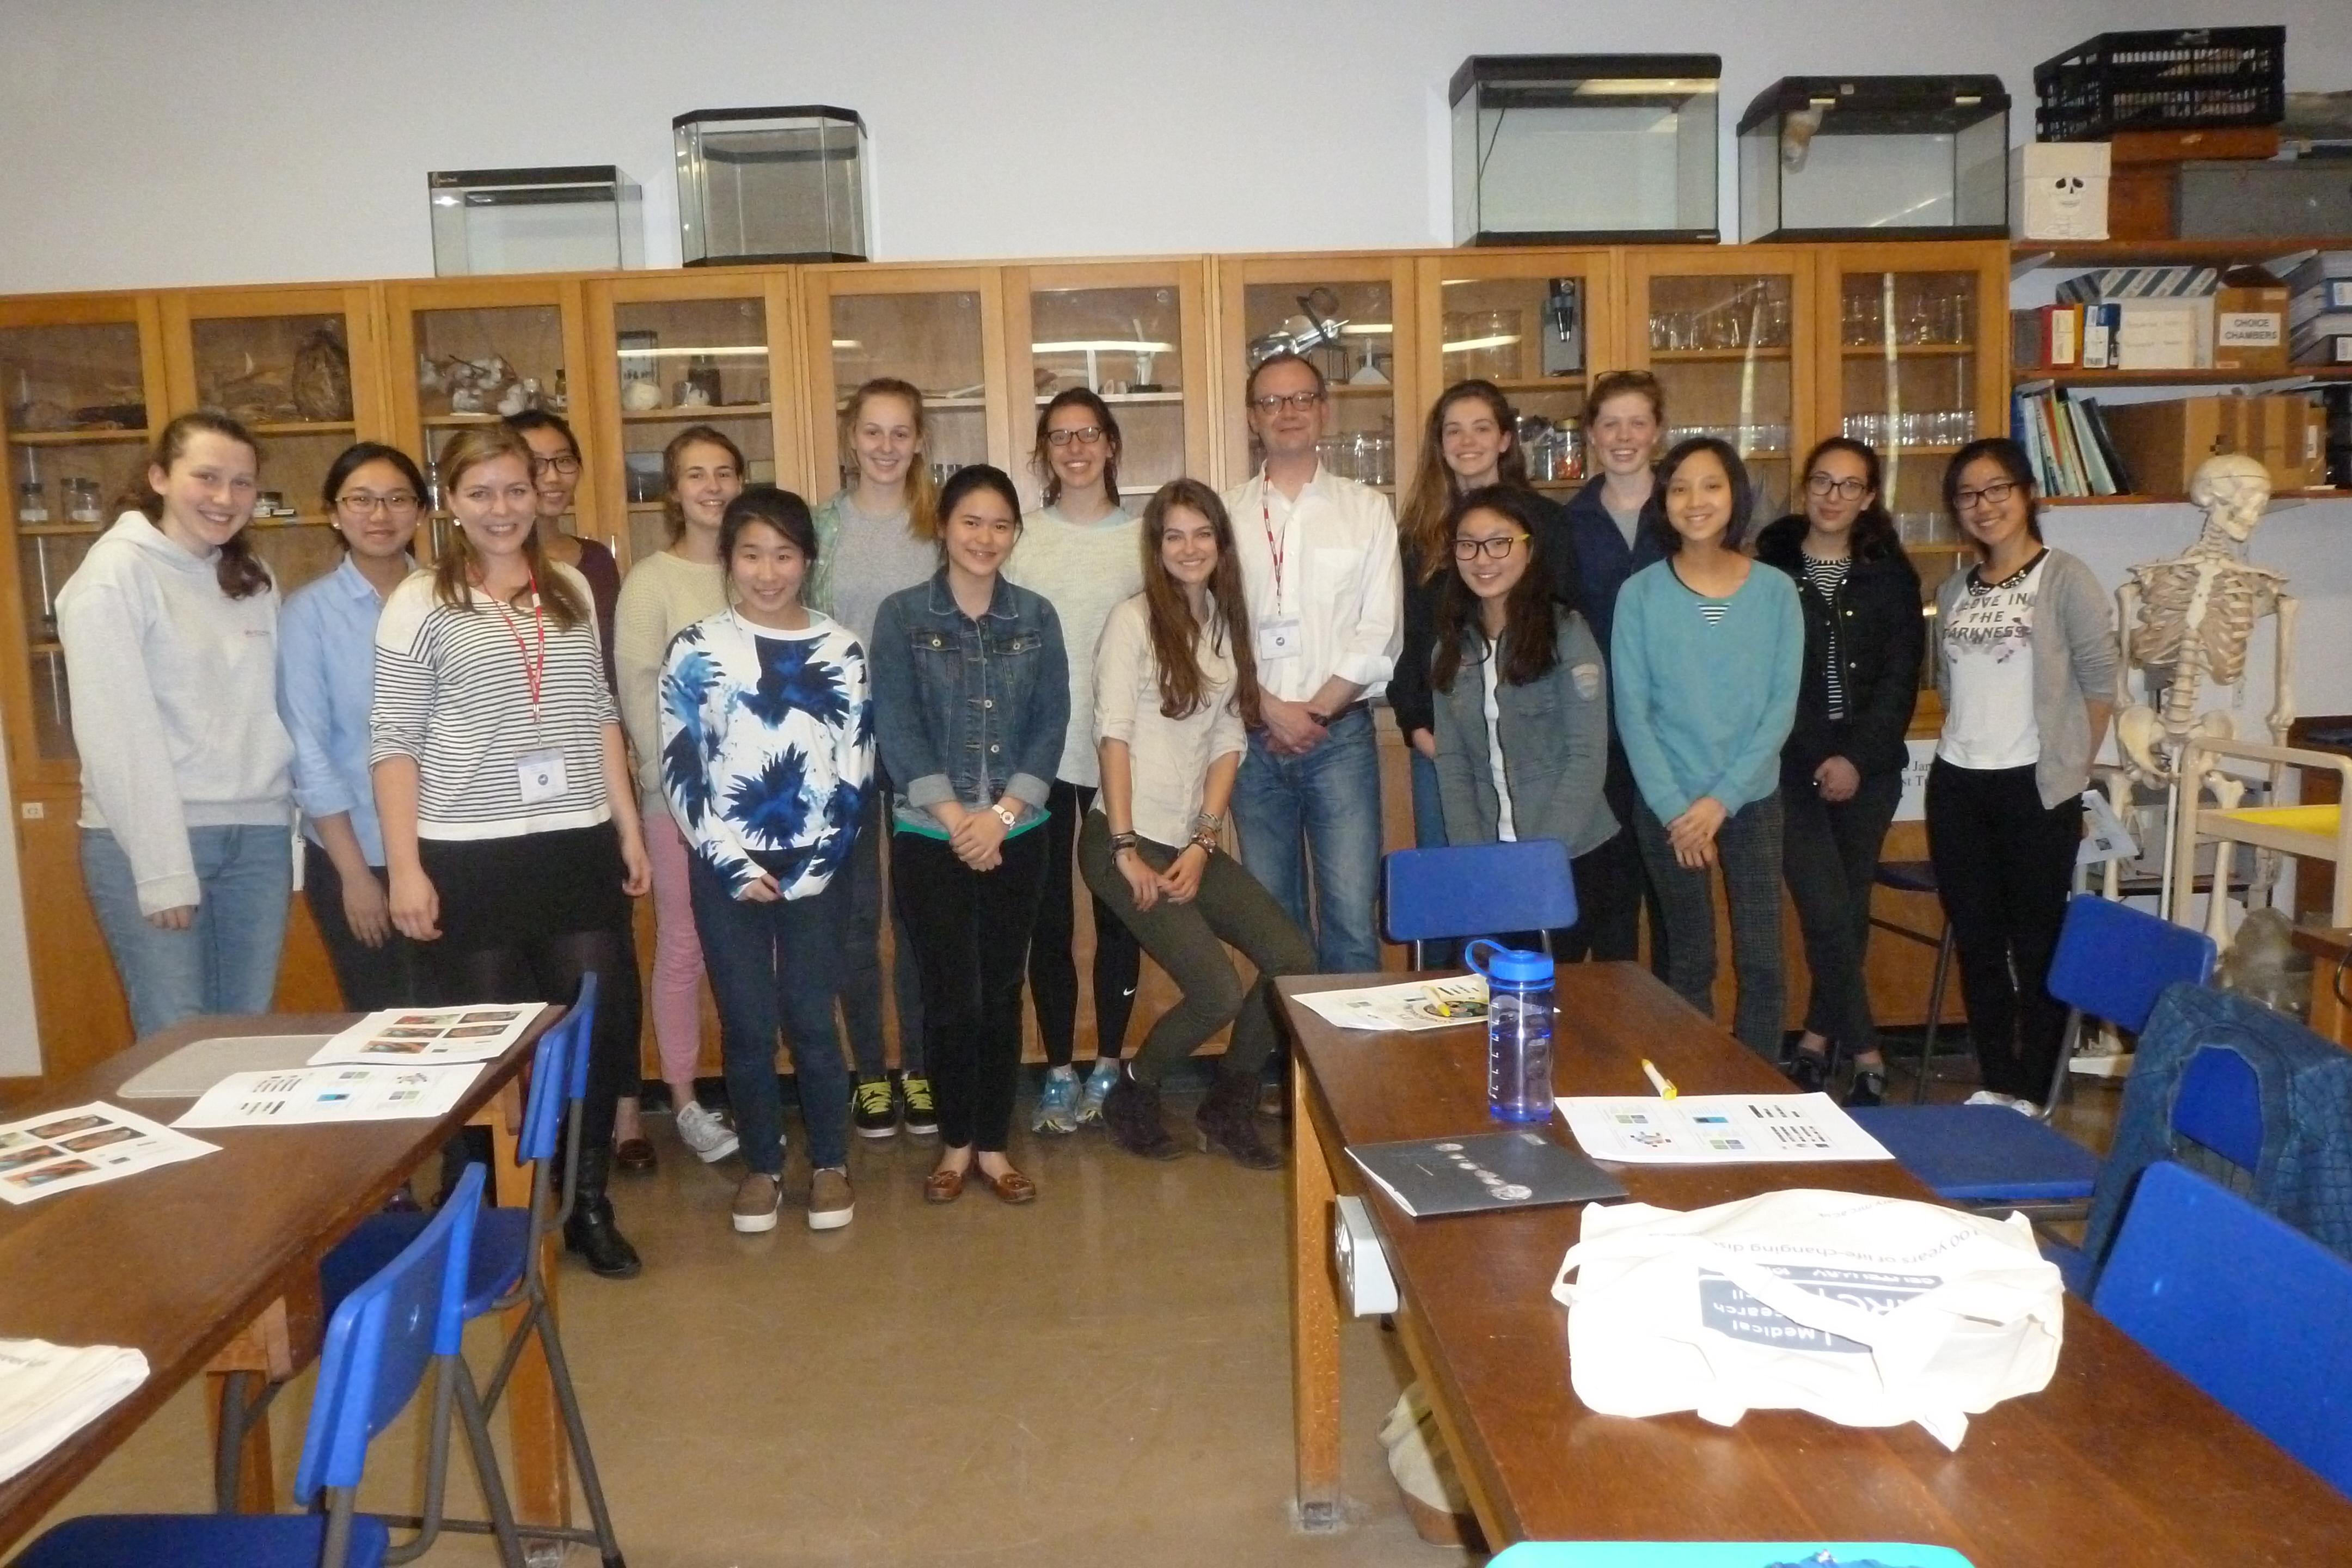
[(2117, 1462), (2330, 948), (212, 1265)]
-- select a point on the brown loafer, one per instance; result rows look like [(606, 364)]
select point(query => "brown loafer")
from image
[(1012, 1186), (943, 1187), (633, 1154)]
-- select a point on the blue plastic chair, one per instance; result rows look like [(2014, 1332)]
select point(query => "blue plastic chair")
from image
[(1722, 1554), (2245, 1306), (1475, 889), (2113, 962), (504, 1269), (380, 1342)]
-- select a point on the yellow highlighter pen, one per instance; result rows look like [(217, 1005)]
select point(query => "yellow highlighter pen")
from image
[(1658, 1080)]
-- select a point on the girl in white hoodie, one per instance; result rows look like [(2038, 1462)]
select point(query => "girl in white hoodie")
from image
[(169, 629)]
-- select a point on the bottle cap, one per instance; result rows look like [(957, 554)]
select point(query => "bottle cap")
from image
[(1511, 965)]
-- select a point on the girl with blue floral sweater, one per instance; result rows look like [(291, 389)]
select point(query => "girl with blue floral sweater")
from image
[(767, 752)]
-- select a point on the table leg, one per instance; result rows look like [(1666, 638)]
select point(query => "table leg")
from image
[(260, 1356), (542, 1487), (1314, 1317)]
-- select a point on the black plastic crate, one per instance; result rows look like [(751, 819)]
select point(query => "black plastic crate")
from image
[(2170, 80)]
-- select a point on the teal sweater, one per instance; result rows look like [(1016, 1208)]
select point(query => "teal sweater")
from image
[(1703, 710)]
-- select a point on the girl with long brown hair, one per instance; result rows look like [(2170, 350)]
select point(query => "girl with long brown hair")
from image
[(1079, 551), (665, 592), (878, 534), (170, 632), (1175, 689), (510, 828)]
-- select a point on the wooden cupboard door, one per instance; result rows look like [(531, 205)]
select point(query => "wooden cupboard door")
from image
[(939, 328), (82, 1014), (1354, 316)]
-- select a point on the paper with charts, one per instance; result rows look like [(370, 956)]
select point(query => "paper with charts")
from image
[(61, 1150), (424, 1036), (1717, 1129), (1411, 1005), (347, 1092)]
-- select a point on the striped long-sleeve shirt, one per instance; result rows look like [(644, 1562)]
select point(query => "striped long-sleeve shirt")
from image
[(767, 748), (453, 690)]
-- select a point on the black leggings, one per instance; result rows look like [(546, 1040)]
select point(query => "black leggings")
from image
[(1052, 972), (549, 970)]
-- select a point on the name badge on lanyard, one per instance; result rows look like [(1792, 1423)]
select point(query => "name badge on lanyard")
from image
[(539, 774), (1279, 637)]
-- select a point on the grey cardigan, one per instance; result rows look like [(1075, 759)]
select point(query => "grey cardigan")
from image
[(2073, 645), (1555, 733)]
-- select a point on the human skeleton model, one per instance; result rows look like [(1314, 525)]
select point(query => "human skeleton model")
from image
[(2192, 618)]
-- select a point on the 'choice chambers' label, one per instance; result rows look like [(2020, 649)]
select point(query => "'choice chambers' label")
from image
[(1728, 1309)]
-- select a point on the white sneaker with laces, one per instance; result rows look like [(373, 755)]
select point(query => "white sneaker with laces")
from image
[(1987, 1097), (704, 1133)]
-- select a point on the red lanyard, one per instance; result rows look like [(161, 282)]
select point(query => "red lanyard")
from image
[(532, 671), (1273, 547)]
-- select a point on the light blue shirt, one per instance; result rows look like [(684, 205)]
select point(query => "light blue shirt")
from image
[(1706, 689), (326, 682)]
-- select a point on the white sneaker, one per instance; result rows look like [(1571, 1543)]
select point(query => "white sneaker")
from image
[(704, 1132), (1987, 1097)]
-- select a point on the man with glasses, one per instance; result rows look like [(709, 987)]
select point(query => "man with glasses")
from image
[(1322, 571)]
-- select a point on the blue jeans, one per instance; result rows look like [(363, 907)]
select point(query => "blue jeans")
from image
[(775, 966), (861, 979), (1428, 833), (226, 961), (1325, 805)]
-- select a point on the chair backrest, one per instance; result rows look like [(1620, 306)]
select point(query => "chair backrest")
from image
[(582, 1018), (554, 1064), (2242, 1305), (2113, 960), (2220, 1105), (1721, 1554), (1477, 889), (382, 1337)]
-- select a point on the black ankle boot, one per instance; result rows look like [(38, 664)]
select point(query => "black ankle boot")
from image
[(591, 1231), (1809, 1071), (1130, 1113), (1228, 1120)]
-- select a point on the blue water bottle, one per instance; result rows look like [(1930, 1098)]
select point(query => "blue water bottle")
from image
[(1519, 1030)]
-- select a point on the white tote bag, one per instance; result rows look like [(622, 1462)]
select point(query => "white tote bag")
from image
[(1871, 1312)]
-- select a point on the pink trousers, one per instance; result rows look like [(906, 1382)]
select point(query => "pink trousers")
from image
[(677, 951)]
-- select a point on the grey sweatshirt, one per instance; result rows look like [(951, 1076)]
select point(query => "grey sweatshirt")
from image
[(2074, 648), (174, 704)]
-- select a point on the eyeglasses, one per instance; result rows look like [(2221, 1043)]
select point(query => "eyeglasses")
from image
[(567, 465), (1495, 548), (1830, 485), (1273, 402), (1084, 435), (359, 503), (1994, 494)]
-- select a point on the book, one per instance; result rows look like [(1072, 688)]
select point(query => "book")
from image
[(2117, 470), (1480, 1172)]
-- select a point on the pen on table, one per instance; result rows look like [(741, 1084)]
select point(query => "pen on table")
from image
[(1658, 1080)]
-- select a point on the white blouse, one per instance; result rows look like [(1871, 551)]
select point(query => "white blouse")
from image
[(1167, 759)]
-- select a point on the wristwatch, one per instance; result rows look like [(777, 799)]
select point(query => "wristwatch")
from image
[(1004, 814)]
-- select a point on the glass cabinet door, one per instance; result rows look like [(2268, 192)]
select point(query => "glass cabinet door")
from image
[(298, 368), (1349, 317), (1534, 324), (676, 363), (79, 401), (939, 330), (1717, 332), (1132, 334), (470, 353)]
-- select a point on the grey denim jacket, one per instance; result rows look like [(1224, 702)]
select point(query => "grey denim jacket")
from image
[(1554, 747), (2074, 643), (964, 710)]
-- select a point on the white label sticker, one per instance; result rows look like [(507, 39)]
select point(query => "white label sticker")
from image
[(540, 777)]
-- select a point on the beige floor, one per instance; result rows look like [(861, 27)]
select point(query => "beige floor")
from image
[(1103, 1378)]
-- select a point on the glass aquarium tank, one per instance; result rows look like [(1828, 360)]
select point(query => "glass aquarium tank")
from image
[(1529, 130), (586, 217), (1866, 157), (771, 185)]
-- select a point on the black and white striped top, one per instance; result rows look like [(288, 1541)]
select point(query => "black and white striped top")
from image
[(1827, 578), (452, 691)]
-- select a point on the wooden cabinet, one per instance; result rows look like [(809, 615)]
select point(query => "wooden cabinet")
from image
[(673, 350), (1354, 315), (1135, 333), (939, 328)]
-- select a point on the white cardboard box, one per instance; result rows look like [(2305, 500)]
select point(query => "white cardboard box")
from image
[(2058, 190)]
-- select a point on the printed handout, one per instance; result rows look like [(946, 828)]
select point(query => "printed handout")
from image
[(338, 1092), (1717, 1129), (81, 1147), (1412, 1006), (475, 1032)]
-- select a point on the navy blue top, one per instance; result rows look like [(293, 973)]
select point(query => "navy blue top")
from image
[(1603, 560)]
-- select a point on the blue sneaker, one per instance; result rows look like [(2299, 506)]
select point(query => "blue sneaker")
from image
[(1099, 1082), (1057, 1106)]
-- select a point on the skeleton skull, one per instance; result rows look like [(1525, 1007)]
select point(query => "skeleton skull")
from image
[(2232, 492)]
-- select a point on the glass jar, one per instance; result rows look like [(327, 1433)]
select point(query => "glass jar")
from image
[(32, 504), (83, 501)]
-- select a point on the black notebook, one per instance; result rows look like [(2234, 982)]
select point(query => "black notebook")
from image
[(1481, 1172)]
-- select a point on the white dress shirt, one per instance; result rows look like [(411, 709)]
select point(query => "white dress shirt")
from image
[(1167, 759), (1341, 578)]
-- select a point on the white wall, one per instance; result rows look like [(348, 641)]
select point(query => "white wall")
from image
[(156, 143)]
